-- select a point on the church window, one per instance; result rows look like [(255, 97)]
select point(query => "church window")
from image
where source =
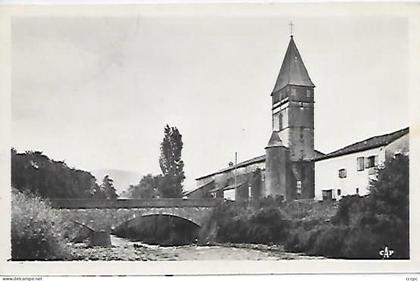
[(338, 192), (299, 187), (342, 173), (357, 190), (308, 93), (360, 163), (293, 92)]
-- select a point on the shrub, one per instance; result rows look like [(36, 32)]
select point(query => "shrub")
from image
[(349, 206), (362, 244), (329, 241), (300, 240), (240, 223), (36, 230)]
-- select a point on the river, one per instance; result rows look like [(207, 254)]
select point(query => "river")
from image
[(124, 249)]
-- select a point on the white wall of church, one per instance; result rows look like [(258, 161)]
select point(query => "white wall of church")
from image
[(327, 174)]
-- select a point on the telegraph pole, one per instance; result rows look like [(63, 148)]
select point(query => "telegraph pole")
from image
[(236, 163)]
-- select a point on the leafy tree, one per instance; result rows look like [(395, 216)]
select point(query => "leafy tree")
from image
[(171, 164), (388, 205), (147, 188), (108, 188), (34, 172), (389, 192)]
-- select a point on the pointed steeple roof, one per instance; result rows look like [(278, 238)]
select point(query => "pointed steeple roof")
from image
[(274, 140), (292, 71)]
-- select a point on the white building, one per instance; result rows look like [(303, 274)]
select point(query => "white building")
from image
[(348, 170)]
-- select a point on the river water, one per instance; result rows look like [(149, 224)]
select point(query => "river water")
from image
[(124, 249)]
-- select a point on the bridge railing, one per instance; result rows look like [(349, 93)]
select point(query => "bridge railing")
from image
[(132, 203)]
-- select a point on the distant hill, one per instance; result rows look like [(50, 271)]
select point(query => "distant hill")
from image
[(122, 178)]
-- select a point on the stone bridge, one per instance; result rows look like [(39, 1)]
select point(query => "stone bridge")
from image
[(106, 215)]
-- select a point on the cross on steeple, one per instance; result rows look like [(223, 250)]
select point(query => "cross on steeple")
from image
[(291, 28)]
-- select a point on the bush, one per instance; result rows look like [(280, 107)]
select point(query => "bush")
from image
[(362, 244), (36, 230), (349, 206), (329, 241), (301, 240), (239, 223)]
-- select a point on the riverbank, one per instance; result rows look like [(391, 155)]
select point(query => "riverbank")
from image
[(126, 250)]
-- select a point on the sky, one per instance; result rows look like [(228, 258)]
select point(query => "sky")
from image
[(98, 91)]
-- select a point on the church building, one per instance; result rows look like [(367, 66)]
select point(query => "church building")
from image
[(291, 168)]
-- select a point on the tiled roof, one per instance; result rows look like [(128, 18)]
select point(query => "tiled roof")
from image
[(239, 165), (251, 161), (292, 71), (366, 144)]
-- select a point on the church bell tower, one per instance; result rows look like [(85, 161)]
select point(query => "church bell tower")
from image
[(293, 119)]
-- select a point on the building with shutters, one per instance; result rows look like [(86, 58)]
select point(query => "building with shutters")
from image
[(348, 170)]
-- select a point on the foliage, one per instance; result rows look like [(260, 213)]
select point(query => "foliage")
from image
[(240, 223), (171, 164), (147, 188), (34, 172), (365, 225), (106, 189), (36, 230)]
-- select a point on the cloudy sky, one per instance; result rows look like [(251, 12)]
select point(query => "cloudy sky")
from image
[(97, 92)]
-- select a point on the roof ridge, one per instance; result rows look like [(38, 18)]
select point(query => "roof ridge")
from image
[(383, 139), (371, 138)]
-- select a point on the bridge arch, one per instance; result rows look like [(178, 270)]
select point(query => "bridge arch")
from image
[(130, 219)]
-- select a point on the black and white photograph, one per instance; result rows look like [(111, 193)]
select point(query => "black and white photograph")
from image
[(249, 133)]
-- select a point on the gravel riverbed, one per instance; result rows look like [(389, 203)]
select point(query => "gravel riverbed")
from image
[(127, 250)]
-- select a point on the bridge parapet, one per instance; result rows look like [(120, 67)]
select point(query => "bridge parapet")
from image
[(104, 215), (133, 203)]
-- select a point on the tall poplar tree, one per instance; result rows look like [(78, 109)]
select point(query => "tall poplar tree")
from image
[(171, 164)]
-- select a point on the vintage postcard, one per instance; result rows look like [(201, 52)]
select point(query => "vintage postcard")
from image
[(228, 138)]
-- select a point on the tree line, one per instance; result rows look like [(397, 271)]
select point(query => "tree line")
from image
[(34, 172)]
